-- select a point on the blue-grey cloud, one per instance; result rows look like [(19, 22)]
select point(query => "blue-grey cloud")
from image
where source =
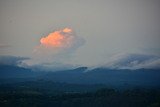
[(133, 61), (11, 60)]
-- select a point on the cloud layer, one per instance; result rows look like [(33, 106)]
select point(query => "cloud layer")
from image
[(12, 60), (133, 61), (119, 61)]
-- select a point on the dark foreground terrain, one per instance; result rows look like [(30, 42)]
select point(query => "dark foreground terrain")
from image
[(80, 87), (49, 94)]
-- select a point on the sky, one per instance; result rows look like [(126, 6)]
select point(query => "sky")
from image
[(100, 29)]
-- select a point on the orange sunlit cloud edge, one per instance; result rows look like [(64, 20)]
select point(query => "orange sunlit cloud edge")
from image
[(57, 38)]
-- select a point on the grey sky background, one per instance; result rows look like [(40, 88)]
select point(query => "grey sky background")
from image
[(108, 26)]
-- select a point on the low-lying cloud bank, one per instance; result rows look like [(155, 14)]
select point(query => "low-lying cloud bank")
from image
[(120, 61), (12, 60), (133, 61), (19, 61)]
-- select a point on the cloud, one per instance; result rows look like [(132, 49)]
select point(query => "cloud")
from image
[(133, 61), (11, 60), (55, 49), (58, 39)]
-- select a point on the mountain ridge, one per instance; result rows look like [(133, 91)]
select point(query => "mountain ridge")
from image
[(82, 75)]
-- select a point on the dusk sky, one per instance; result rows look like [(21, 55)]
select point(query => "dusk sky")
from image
[(95, 30)]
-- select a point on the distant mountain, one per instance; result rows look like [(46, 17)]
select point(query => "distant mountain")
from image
[(9, 71), (139, 77), (81, 75)]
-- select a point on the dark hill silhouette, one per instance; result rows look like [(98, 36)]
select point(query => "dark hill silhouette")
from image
[(111, 77)]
